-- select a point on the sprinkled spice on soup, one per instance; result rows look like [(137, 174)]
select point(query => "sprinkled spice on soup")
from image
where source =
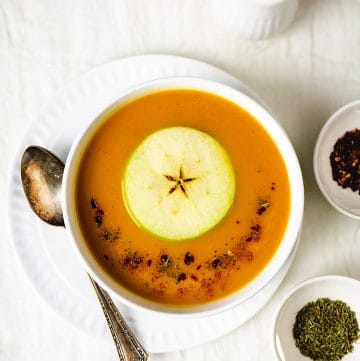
[(182, 197)]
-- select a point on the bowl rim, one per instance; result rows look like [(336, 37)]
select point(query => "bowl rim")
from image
[(271, 126), (331, 120), (291, 294)]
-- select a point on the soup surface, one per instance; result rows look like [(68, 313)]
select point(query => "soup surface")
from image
[(214, 264)]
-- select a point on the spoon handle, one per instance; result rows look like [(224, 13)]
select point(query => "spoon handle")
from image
[(128, 347)]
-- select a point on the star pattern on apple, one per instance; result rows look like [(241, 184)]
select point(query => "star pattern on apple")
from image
[(180, 182)]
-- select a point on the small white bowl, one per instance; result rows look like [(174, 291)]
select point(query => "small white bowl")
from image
[(255, 19), (344, 200), (334, 287)]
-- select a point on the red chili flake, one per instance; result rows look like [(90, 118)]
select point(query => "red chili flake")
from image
[(99, 212), (194, 277), (249, 239), (93, 203), (261, 210), (198, 267), (237, 222), (216, 262), (106, 257), (98, 220), (263, 204), (272, 188), (181, 277), (149, 262), (189, 258)]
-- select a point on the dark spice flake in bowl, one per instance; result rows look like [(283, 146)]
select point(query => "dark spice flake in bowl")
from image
[(336, 160), (345, 160)]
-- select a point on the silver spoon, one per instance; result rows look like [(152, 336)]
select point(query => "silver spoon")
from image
[(41, 175)]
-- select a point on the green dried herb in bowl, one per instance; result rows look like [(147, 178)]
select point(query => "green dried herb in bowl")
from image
[(326, 330)]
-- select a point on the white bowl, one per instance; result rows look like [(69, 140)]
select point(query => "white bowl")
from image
[(255, 19), (344, 200), (296, 205), (334, 287)]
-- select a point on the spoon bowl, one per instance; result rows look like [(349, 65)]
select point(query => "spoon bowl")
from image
[(41, 175)]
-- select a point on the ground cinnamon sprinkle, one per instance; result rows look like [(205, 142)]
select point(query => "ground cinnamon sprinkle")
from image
[(193, 277), (345, 160)]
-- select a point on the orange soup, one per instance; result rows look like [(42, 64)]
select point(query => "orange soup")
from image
[(214, 264)]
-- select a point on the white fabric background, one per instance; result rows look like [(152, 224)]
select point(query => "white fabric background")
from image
[(304, 74)]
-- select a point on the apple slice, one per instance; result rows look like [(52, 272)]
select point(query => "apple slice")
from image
[(179, 183)]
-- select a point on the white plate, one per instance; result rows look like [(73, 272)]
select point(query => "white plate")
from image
[(44, 251), (344, 200), (334, 287)]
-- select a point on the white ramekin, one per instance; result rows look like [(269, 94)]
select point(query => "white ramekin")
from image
[(255, 19)]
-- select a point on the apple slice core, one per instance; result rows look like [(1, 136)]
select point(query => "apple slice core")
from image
[(179, 183)]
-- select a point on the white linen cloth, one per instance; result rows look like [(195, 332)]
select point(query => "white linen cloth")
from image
[(304, 74)]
